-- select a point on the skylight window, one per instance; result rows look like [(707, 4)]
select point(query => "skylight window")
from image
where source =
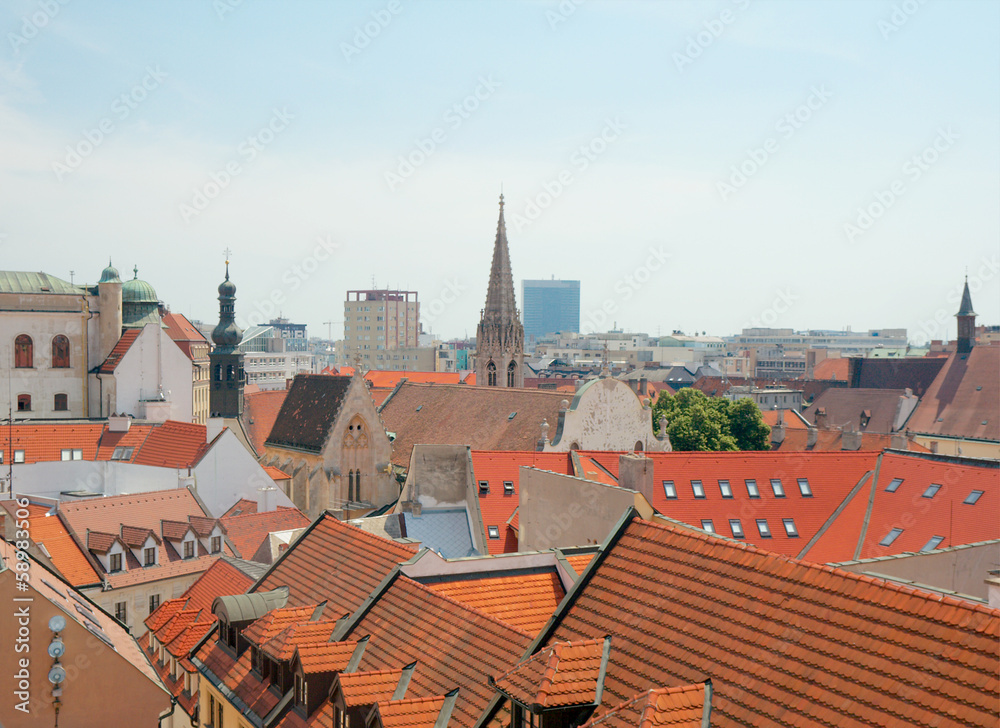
[(707, 525), (508, 487), (512, 415), (484, 487), (778, 488), (736, 527), (973, 497), (933, 543), (804, 488), (122, 453), (752, 488), (890, 537), (727, 492), (698, 489), (765, 530), (669, 490), (894, 485), (790, 530), (19, 456), (931, 491), (494, 531)]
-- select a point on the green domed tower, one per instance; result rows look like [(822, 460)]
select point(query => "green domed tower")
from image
[(225, 397), (140, 306)]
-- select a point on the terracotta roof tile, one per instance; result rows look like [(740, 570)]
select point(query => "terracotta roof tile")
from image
[(680, 707), (246, 531), (309, 410), (459, 414), (119, 350), (786, 642), (560, 675), (175, 530), (174, 445), (579, 562), (276, 473), (202, 525), (325, 656), (141, 510), (67, 556), (260, 410), (183, 333), (381, 378), (525, 601), (135, 537), (847, 406), (962, 399), (269, 625), (238, 676), (282, 645), (141, 575), (241, 507), (411, 713), (368, 688), (831, 368), (100, 542)]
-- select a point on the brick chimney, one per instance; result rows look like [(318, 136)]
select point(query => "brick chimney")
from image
[(850, 440), (812, 434), (635, 472)]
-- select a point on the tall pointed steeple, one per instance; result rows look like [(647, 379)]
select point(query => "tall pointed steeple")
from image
[(500, 336), (966, 316), (225, 395)]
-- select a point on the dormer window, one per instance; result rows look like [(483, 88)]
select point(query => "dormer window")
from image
[(216, 544), (484, 487), (149, 556), (301, 691), (189, 549), (508, 487), (116, 562)]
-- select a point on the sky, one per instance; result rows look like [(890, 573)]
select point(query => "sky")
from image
[(699, 167)]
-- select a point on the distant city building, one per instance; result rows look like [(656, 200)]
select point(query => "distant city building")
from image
[(847, 342), (381, 319), (550, 306), (276, 352)]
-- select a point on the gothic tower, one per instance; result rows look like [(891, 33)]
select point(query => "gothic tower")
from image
[(966, 322), (500, 336), (225, 398)]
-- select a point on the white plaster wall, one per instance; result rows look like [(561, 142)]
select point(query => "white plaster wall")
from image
[(228, 472), (152, 361)]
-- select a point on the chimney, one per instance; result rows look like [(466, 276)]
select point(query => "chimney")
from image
[(635, 472), (850, 440), (265, 498), (811, 436), (898, 441), (820, 418)]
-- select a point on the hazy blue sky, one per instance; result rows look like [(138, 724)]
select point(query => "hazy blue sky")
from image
[(698, 166)]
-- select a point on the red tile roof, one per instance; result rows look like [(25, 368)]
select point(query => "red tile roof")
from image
[(525, 601), (560, 675), (873, 512), (276, 473), (183, 333), (119, 350), (831, 368), (238, 676), (454, 645), (134, 537), (579, 562), (324, 656), (142, 510), (797, 440), (100, 542), (367, 688), (381, 378), (67, 556), (165, 570), (260, 410), (962, 399), (241, 507), (247, 531), (175, 530), (269, 625), (786, 643), (411, 712), (282, 645), (173, 445), (680, 707)]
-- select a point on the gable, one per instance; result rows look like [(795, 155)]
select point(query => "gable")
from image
[(309, 411)]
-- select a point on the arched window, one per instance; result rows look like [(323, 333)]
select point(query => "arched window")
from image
[(511, 373), (357, 485), (24, 352), (491, 374), (638, 446), (60, 403), (230, 372), (218, 372), (60, 352), (24, 403), (350, 486)]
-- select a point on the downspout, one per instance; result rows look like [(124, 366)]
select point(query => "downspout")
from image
[(84, 336)]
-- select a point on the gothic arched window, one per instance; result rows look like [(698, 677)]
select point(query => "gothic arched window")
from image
[(350, 486), (491, 375), (60, 352), (511, 374), (24, 352)]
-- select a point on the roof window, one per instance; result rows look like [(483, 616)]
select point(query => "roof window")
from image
[(765, 530), (736, 527), (933, 543), (778, 488), (707, 525), (724, 488), (122, 453), (932, 490), (790, 530), (494, 531), (894, 485), (698, 489), (512, 415), (973, 497), (804, 488), (669, 490), (752, 488), (508, 487), (484, 487), (890, 537)]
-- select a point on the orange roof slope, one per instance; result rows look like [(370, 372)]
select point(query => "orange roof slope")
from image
[(453, 645), (336, 563), (786, 643), (119, 350), (496, 468), (67, 556), (367, 688), (411, 713), (579, 562), (675, 707), (830, 478), (382, 378), (325, 656), (246, 531), (919, 510), (143, 510), (962, 399), (45, 442), (560, 675), (260, 410), (831, 368), (174, 445), (525, 601)]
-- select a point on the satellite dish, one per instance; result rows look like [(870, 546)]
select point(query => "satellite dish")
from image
[(57, 623), (57, 674), (56, 648)]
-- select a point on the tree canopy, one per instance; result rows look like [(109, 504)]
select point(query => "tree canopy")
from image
[(698, 422)]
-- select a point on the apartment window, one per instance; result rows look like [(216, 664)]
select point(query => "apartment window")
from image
[(120, 611), (763, 528), (19, 456), (60, 403), (890, 537), (894, 485), (752, 488), (24, 403), (484, 487), (931, 491), (725, 489), (669, 490), (300, 690), (189, 549), (154, 602), (60, 352), (736, 527), (116, 562), (969, 499), (778, 488), (707, 525), (804, 488), (494, 531), (219, 715), (697, 489), (790, 530), (933, 543), (216, 544), (508, 487)]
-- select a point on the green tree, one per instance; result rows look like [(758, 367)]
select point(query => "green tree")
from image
[(698, 422)]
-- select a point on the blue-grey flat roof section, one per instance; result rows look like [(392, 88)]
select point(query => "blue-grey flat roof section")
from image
[(445, 531)]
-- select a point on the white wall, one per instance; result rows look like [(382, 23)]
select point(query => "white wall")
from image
[(228, 472), (154, 360)]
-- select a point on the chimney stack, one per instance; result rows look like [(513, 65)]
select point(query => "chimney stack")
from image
[(811, 436)]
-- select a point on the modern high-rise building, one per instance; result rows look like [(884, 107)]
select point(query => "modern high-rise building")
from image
[(381, 319), (550, 306)]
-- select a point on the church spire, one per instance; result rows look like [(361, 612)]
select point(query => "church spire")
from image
[(966, 308), (500, 303), (966, 322)]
